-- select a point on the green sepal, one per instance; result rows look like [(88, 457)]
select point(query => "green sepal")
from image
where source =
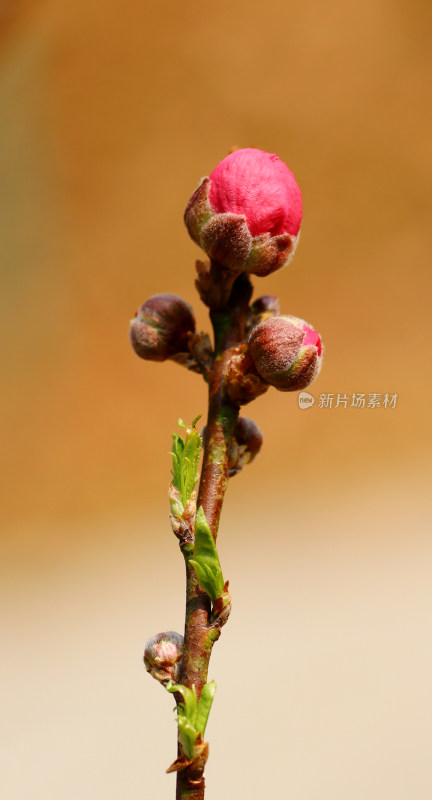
[(185, 456), (205, 559)]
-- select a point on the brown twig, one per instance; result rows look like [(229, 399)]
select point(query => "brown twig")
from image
[(228, 323)]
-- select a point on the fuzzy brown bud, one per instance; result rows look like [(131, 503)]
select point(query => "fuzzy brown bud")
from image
[(245, 445), (287, 352), (268, 304), (161, 327), (262, 308), (162, 655)]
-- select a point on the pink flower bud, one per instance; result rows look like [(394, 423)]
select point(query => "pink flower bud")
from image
[(287, 352), (247, 214), (162, 654), (161, 327)]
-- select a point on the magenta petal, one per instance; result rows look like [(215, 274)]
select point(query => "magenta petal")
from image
[(312, 337), (259, 186)]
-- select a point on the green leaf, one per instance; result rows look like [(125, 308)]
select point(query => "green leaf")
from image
[(192, 716), (185, 455), (187, 736), (189, 705), (186, 715), (204, 706), (205, 558), (177, 452)]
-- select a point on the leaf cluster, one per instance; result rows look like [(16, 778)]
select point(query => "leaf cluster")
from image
[(205, 560)]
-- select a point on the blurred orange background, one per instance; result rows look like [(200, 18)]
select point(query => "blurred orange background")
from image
[(111, 113)]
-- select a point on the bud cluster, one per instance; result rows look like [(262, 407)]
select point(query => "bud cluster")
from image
[(246, 215)]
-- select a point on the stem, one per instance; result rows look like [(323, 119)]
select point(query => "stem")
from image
[(229, 327)]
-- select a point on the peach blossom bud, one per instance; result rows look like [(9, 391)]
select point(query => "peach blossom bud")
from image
[(247, 214), (161, 326), (287, 352), (162, 654)]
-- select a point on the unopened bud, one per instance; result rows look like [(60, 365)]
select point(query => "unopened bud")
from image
[(262, 308), (161, 327), (287, 352), (245, 445), (162, 654), (268, 304), (247, 214)]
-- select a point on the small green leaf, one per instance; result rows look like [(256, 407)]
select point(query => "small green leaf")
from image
[(189, 696), (205, 558), (177, 452), (185, 455), (204, 706), (192, 716), (187, 736), (186, 715)]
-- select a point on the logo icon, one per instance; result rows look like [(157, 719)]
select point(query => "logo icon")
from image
[(305, 400)]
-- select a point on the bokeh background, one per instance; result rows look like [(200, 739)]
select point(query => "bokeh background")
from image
[(110, 114)]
